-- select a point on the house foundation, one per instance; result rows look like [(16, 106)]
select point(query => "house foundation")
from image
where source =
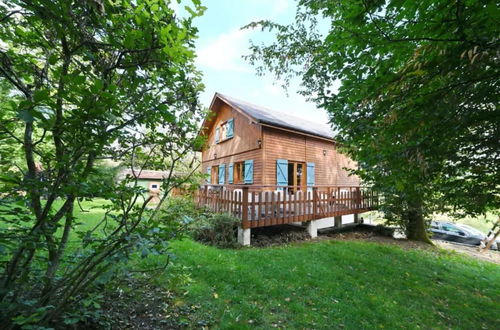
[(312, 228), (338, 221), (244, 236)]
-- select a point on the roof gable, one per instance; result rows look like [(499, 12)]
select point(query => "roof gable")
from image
[(276, 118)]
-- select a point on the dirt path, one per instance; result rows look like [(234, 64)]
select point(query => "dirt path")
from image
[(472, 251), (278, 235)]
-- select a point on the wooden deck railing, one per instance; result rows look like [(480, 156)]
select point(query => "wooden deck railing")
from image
[(259, 206)]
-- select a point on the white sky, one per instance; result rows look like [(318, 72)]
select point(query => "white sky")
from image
[(222, 44)]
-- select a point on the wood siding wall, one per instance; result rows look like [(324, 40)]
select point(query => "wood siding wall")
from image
[(276, 144), (279, 144), (255, 155), (242, 146)]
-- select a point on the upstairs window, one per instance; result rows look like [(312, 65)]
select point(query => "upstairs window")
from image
[(224, 131)]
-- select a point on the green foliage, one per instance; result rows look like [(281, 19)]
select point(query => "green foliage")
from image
[(81, 82), (416, 105), (180, 210), (217, 229), (101, 179), (10, 152)]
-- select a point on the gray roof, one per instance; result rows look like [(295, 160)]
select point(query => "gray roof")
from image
[(148, 174), (281, 119), (144, 174)]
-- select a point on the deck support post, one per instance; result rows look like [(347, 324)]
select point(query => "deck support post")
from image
[(244, 229), (315, 202), (244, 236), (356, 217), (312, 229), (338, 221), (244, 209)]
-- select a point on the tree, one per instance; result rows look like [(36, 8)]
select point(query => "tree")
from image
[(417, 105), (86, 80), (10, 149)]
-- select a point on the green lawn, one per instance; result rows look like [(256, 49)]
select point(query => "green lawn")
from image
[(324, 285), (333, 284), (329, 284)]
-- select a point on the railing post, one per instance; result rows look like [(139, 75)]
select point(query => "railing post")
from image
[(244, 212), (358, 198), (205, 196), (315, 202)]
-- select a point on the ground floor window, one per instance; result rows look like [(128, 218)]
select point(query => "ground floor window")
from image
[(214, 177), (239, 172), (293, 176)]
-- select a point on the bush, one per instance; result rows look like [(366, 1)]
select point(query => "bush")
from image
[(179, 209), (218, 229)]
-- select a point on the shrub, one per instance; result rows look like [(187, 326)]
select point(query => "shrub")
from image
[(179, 209), (80, 82), (218, 229)]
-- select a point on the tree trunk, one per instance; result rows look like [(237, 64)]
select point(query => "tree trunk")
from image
[(416, 229)]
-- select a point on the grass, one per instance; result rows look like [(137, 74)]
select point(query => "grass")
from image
[(337, 284), (328, 284)]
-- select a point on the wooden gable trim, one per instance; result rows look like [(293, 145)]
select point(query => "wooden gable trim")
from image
[(252, 119)]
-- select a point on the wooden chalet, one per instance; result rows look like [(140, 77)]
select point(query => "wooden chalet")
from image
[(270, 168)]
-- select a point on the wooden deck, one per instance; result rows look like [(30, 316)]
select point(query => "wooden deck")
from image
[(260, 206)]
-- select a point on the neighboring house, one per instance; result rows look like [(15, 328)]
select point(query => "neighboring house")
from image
[(269, 168), (147, 179), (151, 181)]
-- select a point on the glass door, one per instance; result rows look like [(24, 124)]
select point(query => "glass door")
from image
[(296, 176)]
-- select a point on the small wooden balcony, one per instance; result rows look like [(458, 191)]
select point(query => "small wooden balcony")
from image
[(260, 206)]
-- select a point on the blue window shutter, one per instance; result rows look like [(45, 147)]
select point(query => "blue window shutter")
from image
[(282, 172), (209, 174), (248, 171), (230, 128), (310, 174), (217, 135), (230, 173), (222, 174)]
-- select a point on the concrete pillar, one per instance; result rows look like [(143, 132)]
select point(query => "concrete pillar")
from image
[(312, 229), (244, 236), (338, 221)]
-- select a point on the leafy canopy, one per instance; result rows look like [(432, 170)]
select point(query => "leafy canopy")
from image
[(84, 82), (417, 104)]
